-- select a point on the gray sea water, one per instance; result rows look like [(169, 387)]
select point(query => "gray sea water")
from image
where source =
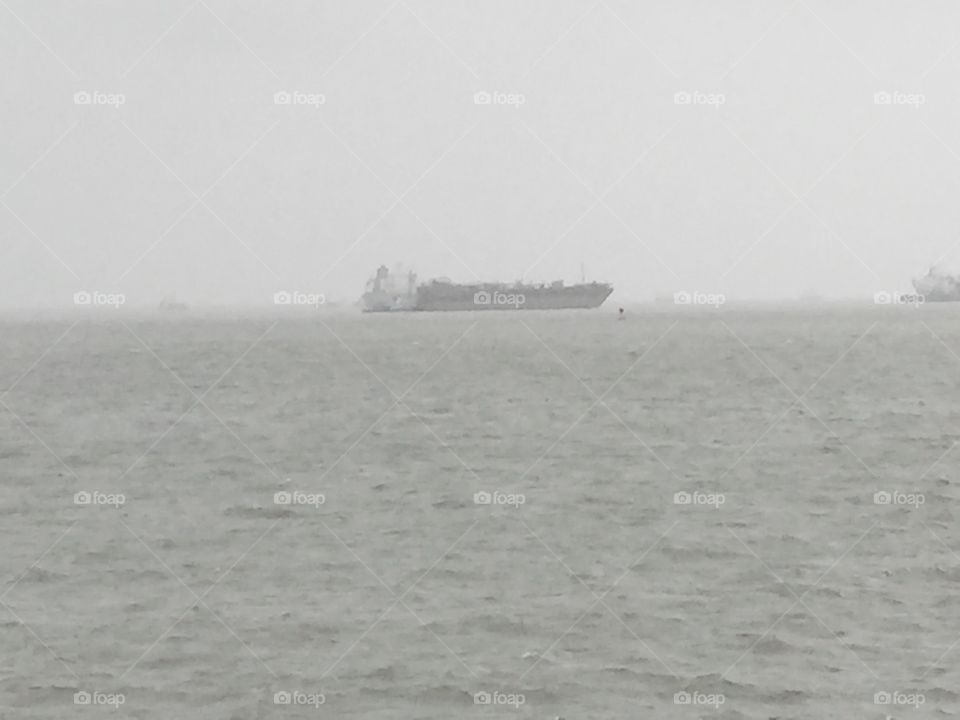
[(586, 588)]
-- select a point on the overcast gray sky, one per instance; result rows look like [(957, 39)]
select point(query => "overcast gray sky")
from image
[(735, 147)]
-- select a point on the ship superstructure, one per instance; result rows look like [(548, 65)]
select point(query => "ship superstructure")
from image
[(938, 286)]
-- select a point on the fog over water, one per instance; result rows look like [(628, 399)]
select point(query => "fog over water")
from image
[(729, 490), (758, 149)]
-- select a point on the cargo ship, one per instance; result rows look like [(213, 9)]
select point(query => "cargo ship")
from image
[(938, 286), (389, 293)]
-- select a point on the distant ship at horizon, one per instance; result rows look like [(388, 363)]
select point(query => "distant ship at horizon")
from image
[(171, 304), (388, 293), (938, 286)]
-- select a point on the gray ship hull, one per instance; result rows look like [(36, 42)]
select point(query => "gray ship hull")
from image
[(467, 298), (942, 297), (938, 286), (386, 294)]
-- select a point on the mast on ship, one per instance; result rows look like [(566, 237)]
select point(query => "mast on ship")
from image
[(382, 273)]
